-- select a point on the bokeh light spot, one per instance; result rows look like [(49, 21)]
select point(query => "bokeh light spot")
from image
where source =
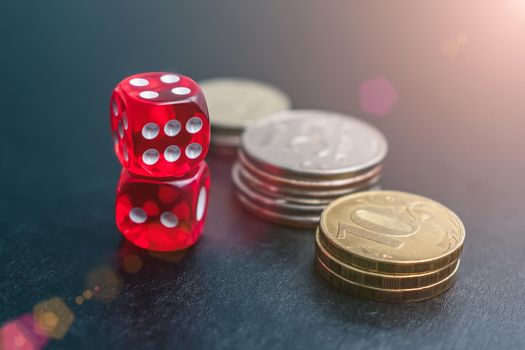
[(377, 96), (462, 38), (50, 319), (79, 300), (451, 47), (22, 334), (19, 341), (53, 317), (105, 282), (87, 294), (132, 263)]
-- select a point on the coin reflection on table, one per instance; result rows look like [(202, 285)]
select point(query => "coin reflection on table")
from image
[(389, 246), (293, 163)]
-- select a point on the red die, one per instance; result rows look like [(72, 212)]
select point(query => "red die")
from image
[(163, 216), (160, 124)]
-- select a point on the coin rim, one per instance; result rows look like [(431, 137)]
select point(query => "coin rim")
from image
[(326, 195), (296, 114), (375, 279), (381, 265), (270, 202), (311, 182), (225, 132), (386, 295), (297, 221), (227, 141)]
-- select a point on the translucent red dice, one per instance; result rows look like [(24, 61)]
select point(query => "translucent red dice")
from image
[(163, 215), (160, 124)]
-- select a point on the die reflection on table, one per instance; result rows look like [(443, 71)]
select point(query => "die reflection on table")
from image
[(133, 260)]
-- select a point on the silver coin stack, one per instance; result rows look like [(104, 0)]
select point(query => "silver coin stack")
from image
[(235, 103), (293, 163)]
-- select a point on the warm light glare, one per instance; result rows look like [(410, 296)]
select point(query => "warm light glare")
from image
[(377, 96), (451, 47), (105, 282), (53, 317), (87, 294), (132, 263), (22, 334)]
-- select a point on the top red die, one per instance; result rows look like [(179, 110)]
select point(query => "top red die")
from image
[(160, 124)]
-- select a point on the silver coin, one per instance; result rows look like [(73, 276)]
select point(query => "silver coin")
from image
[(225, 140), (224, 145), (233, 102), (313, 143), (301, 221), (215, 130), (323, 184), (224, 151), (299, 195), (278, 204)]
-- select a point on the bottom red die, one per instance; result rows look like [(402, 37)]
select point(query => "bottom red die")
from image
[(163, 215)]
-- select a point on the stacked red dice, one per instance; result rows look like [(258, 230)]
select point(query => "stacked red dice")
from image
[(161, 132)]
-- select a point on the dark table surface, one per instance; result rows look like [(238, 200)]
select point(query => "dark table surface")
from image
[(456, 135)]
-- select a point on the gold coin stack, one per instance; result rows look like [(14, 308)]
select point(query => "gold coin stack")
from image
[(389, 246)]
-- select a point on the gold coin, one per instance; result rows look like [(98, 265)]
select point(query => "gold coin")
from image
[(393, 232), (386, 295), (378, 280)]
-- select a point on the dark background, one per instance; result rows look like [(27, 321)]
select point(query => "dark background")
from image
[(456, 135)]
